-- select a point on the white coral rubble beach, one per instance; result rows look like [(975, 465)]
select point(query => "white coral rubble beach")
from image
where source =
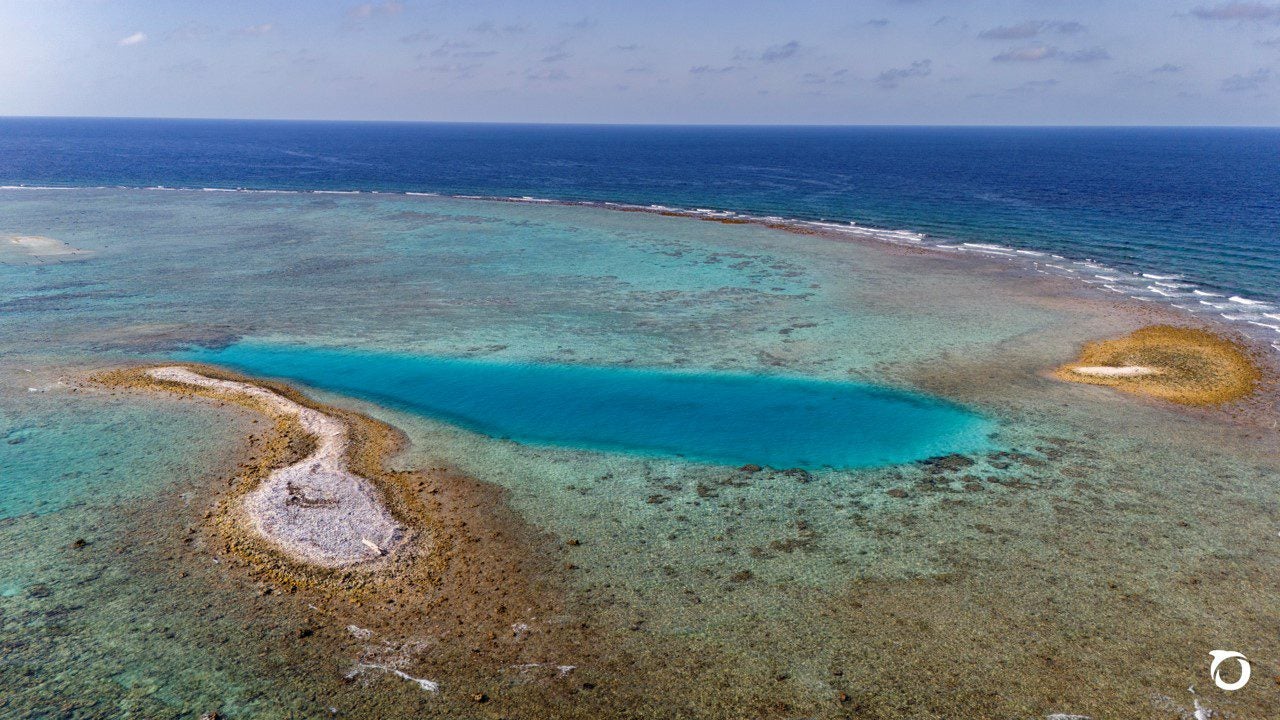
[(316, 509), (1107, 371)]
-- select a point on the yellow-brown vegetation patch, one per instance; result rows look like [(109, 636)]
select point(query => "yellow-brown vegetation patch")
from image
[(1192, 366)]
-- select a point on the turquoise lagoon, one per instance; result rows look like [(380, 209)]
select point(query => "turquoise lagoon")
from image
[(722, 418)]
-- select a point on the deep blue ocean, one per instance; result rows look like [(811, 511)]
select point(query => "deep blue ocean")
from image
[(1201, 204)]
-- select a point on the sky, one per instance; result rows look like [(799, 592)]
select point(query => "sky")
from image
[(994, 62)]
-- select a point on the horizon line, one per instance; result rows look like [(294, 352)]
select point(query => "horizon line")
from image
[(527, 123)]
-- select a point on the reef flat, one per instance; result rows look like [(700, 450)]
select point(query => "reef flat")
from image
[(1088, 529)]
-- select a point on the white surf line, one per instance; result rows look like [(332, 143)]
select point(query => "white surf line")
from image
[(315, 509)]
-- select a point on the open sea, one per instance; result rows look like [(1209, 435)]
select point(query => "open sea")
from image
[(1187, 216)]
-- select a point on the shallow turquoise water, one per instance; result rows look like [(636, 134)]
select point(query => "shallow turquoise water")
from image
[(714, 417), (59, 449)]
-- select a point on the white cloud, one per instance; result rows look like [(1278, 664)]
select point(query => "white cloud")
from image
[(780, 52), (1087, 55), (1035, 53), (371, 9), (1250, 81), (261, 29), (489, 27), (134, 39), (419, 36), (712, 70), (1032, 86), (1031, 28), (1242, 11), (771, 54), (892, 77), (553, 75)]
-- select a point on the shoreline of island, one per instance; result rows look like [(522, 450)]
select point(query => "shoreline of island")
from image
[(314, 504)]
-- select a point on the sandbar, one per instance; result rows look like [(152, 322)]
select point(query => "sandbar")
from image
[(38, 246)]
